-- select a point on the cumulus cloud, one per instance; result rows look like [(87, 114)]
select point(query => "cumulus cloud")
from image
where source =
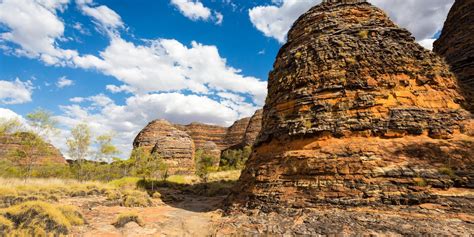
[(195, 10), (422, 17), (105, 18), (15, 92), (35, 28), (64, 82), (9, 114), (166, 65)]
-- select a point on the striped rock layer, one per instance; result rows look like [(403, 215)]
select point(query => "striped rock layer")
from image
[(357, 113)]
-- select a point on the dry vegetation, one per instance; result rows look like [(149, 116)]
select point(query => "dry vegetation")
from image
[(34, 207)]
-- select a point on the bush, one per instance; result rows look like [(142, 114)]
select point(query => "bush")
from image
[(134, 198), (125, 183), (447, 171), (125, 218), (40, 217), (234, 159)]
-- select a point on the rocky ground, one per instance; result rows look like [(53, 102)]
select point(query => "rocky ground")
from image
[(183, 214), (188, 215)]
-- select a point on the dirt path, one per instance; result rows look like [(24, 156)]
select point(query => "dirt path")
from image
[(192, 216)]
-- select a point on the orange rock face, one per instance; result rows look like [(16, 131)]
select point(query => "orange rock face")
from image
[(174, 146), (357, 113), (10, 144)]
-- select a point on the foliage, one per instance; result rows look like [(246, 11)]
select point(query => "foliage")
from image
[(32, 148), (42, 122), (234, 159), (106, 150), (447, 171), (135, 198), (42, 217), (78, 146), (9, 126), (204, 165), (127, 217)]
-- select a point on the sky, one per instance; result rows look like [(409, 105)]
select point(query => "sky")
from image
[(118, 64)]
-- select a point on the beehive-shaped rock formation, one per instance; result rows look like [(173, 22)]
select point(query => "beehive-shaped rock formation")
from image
[(456, 44), (10, 144), (357, 112), (174, 146)]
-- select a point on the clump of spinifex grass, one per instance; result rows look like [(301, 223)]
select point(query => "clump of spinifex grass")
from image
[(126, 218), (37, 218)]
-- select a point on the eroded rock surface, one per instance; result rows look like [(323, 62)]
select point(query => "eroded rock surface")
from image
[(456, 45), (13, 143), (357, 113), (253, 128), (174, 146)]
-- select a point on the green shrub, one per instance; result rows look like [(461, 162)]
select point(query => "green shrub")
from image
[(125, 183), (234, 159), (134, 198), (447, 171), (421, 182), (125, 218)]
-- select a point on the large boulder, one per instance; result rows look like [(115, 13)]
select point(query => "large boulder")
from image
[(175, 147), (456, 45), (357, 113)]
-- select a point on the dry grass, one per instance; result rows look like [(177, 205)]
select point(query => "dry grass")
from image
[(231, 175), (127, 217), (36, 217)]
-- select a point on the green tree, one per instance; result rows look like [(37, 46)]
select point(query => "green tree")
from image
[(9, 126), (147, 165), (78, 146), (204, 165), (33, 145), (106, 151), (42, 123)]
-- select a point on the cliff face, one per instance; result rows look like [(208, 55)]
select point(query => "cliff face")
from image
[(236, 133), (174, 146), (456, 45), (356, 113), (202, 133), (11, 143)]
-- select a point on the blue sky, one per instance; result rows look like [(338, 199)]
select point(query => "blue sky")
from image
[(118, 64)]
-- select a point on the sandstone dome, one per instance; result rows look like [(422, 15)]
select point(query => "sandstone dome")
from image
[(456, 45), (174, 146), (357, 112)]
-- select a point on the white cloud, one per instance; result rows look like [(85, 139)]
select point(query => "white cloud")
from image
[(195, 10), (35, 28), (427, 43), (103, 115), (64, 82), (106, 18), (9, 114), (422, 17), (166, 65), (77, 99), (15, 92)]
